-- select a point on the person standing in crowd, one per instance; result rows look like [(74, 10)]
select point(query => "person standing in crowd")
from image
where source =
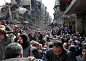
[(65, 45), (32, 42), (40, 46), (73, 50), (8, 28), (30, 37), (16, 30), (68, 38), (36, 36), (14, 52), (57, 53), (36, 44), (83, 52), (24, 41), (3, 41), (13, 34), (34, 52)]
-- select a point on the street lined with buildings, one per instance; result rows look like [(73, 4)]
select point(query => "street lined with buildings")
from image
[(27, 33), (33, 12)]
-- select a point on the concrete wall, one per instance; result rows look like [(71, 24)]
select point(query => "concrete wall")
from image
[(26, 2), (84, 24), (79, 25)]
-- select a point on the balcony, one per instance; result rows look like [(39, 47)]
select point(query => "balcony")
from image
[(76, 6)]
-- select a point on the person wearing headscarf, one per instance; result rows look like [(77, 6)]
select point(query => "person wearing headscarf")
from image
[(24, 41)]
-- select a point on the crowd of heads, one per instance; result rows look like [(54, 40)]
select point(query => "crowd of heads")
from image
[(57, 38)]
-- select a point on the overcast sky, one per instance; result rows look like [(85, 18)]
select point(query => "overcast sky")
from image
[(2, 2), (48, 3)]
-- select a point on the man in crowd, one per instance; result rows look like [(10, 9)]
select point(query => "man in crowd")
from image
[(3, 41), (14, 52), (15, 33), (8, 28), (36, 44), (12, 35), (73, 50), (16, 29), (65, 45), (57, 53)]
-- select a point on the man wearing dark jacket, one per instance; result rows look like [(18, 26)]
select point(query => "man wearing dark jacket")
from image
[(73, 50), (14, 52), (57, 53), (3, 41), (8, 28)]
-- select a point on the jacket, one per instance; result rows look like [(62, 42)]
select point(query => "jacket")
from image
[(51, 56), (3, 44), (72, 57)]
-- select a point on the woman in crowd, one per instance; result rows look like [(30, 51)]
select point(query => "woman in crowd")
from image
[(24, 41), (83, 51)]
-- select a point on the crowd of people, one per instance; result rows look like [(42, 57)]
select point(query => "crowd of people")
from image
[(23, 43)]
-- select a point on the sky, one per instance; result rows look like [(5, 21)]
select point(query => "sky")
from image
[(2, 2), (48, 3)]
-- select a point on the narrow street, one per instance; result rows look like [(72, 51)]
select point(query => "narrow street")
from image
[(28, 31)]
